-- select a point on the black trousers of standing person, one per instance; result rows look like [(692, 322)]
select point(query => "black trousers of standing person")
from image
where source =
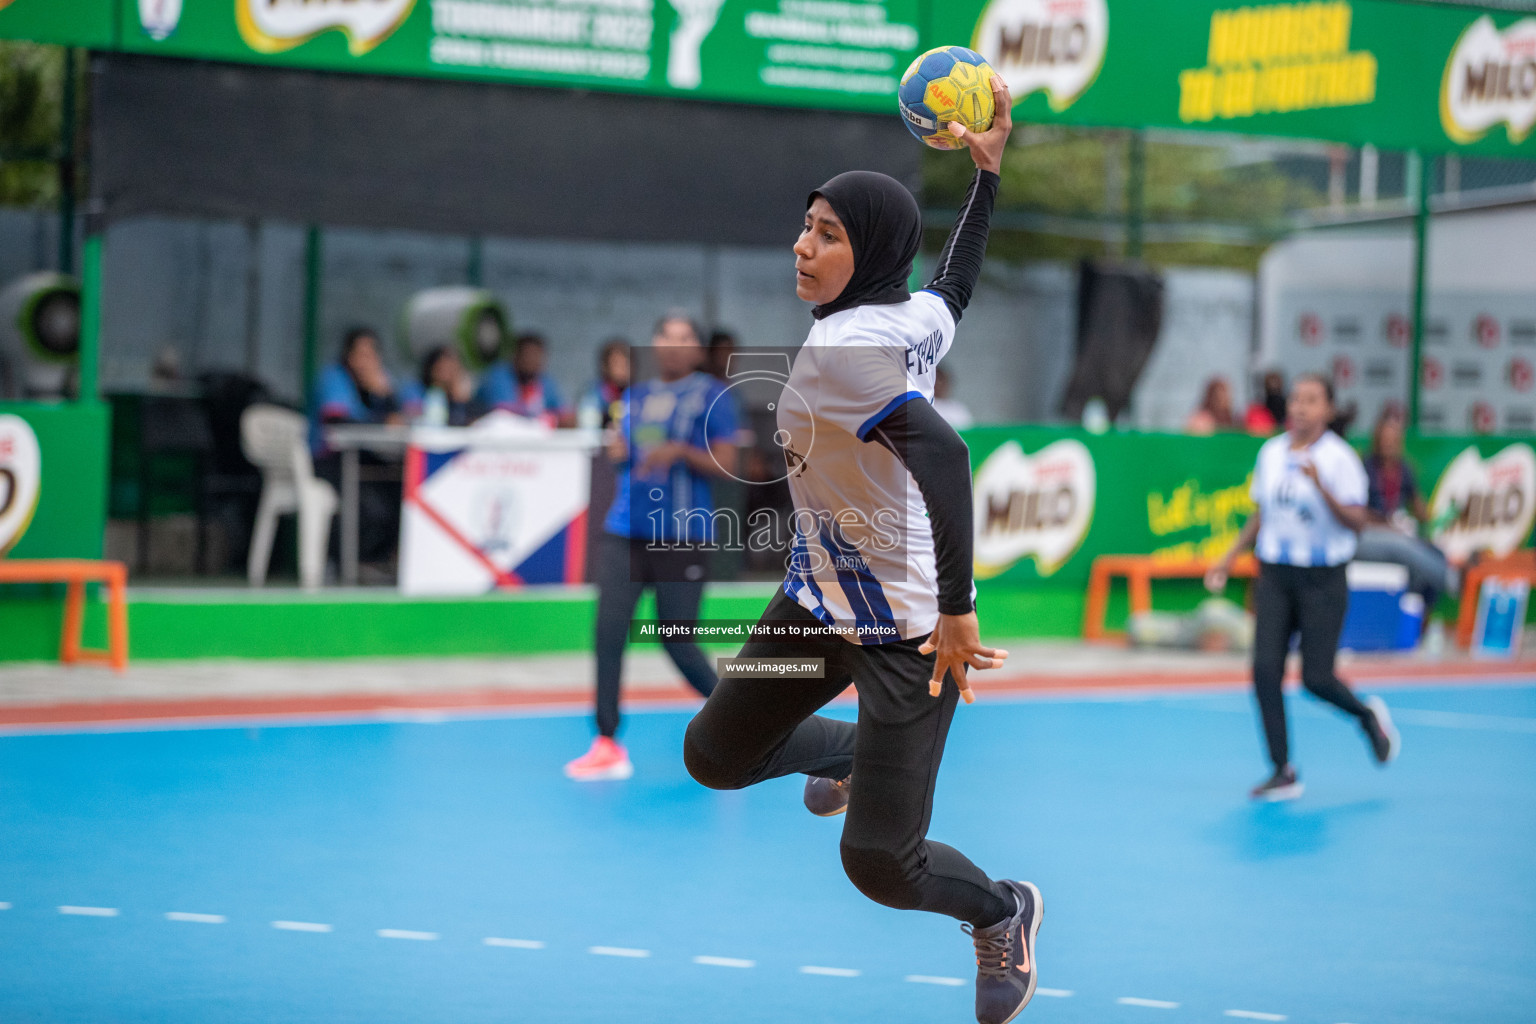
[(755, 729), (625, 568), (1311, 600)]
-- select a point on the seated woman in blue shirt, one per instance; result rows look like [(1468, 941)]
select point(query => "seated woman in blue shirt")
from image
[(445, 396), (358, 389)]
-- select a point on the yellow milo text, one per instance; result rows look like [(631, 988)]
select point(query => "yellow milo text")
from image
[(1277, 59), (1186, 507)]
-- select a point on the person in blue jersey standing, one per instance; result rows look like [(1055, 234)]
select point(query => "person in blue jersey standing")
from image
[(678, 432), (878, 584), (1309, 491)]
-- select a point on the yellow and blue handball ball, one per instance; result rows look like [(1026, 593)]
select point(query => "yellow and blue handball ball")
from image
[(948, 83)]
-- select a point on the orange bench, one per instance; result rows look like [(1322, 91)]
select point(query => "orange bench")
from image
[(1139, 572), (77, 572), (1520, 565)]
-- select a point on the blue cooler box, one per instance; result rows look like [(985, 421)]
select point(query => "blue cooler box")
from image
[(1383, 615)]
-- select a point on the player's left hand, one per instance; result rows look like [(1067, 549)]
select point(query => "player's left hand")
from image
[(1309, 470), (957, 642), (987, 147)]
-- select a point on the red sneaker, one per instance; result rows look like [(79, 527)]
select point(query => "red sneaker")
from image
[(606, 759)]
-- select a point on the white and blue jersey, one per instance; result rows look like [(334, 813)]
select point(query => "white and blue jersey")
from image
[(863, 552), (1296, 526), (674, 503)]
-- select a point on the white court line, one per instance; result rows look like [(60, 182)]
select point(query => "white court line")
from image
[(300, 926), (182, 915), (1155, 1004), (1253, 1015), (929, 979), (831, 972), (514, 943), (1055, 993), (90, 911), (723, 961), (618, 951), (401, 933)]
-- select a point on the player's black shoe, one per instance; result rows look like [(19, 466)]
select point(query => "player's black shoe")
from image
[(1379, 730), (1005, 957), (826, 798), (1283, 785)]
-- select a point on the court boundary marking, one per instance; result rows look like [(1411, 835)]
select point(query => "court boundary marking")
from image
[(426, 707)]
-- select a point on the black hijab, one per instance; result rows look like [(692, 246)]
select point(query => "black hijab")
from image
[(884, 227)]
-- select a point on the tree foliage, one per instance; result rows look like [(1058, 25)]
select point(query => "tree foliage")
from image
[(31, 91)]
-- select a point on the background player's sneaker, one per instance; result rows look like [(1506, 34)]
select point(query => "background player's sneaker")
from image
[(1283, 785), (1005, 957), (1379, 730), (826, 798), (606, 759)]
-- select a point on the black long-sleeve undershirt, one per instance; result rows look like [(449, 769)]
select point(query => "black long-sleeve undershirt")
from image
[(940, 462), (960, 262)]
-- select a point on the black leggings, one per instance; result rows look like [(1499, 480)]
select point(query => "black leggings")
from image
[(1288, 599), (625, 568), (755, 729)]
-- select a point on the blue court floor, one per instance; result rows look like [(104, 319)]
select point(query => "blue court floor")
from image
[(446, 872)]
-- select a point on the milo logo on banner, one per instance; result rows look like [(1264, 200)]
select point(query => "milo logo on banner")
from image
[(1054, 45), (21, 478), (1484, 504), (272, 26), (1040, 506), (1490, 78)]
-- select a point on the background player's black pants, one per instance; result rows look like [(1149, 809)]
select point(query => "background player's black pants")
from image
[(1311, 600), (625, 568), (755, 729)]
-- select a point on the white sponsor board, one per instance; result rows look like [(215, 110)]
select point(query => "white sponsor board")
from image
[(1052, 45), (21, 478), (1036, 506), (486, 516), (1484, 504)]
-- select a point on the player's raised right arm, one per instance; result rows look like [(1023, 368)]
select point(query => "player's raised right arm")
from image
[(960, 261)]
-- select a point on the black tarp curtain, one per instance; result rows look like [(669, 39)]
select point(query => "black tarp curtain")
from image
[(189, 138)]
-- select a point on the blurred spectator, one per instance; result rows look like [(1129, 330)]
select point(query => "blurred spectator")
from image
[(445, 395), (1396, 509), (1215, 412), (953, 411), (524, 388), (1267, 414), (718, 357), (358, 389), (602, 404)]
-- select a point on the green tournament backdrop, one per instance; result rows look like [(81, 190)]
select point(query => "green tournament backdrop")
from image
[(1048, 501), (1399, 75)]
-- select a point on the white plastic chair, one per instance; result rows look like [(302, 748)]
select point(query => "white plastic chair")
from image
[(275, 441)]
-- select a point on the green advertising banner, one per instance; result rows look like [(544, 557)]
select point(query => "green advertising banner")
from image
[(1049, 501), (1398, 75), (65, 22), (814, 53), (53, 479)]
